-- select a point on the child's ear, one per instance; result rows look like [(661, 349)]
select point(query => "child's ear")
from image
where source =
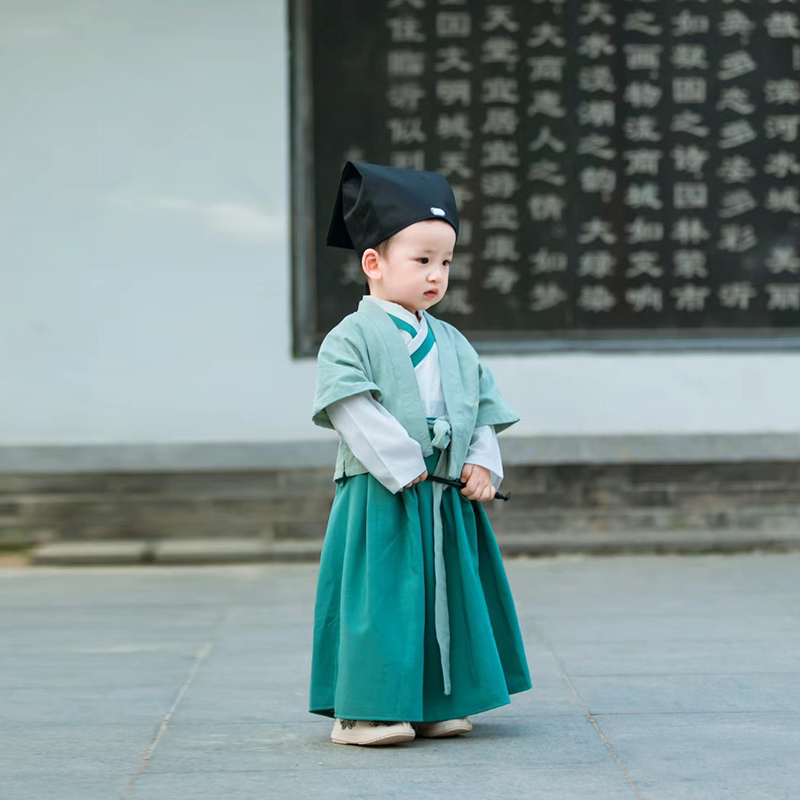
[(371, 263)]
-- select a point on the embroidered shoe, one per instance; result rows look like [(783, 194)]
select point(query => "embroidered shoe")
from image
[(380, 732), (442, 728)]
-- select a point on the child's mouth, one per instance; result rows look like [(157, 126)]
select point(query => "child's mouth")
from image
[(431, 293)]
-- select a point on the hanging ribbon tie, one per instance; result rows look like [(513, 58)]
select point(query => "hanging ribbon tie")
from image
[(441, 439)]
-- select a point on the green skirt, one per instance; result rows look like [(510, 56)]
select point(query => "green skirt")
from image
[(375, 652)]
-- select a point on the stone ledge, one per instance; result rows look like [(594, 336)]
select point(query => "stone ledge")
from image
[(174, 551), (219, 551), (301, 455), (92, 552)]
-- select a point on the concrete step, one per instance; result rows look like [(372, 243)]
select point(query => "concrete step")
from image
[(174, 551)]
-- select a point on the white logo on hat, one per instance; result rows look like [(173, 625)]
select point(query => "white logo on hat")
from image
[(439, 212)]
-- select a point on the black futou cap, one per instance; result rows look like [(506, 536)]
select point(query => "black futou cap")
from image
[(374, 202)]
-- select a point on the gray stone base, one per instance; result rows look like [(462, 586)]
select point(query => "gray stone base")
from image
[(179, 515)]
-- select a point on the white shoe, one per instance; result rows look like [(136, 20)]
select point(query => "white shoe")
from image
[(442, 728), (362, 731)]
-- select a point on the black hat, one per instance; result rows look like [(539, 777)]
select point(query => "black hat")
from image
[(375, 202)]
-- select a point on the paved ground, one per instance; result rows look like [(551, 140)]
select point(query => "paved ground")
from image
[(654, 677)]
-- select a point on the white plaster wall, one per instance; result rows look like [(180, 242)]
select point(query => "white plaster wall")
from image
[(144, 249)]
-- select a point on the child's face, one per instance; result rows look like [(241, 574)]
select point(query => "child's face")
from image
[(415, 269)]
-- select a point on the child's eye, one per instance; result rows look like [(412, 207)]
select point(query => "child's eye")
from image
[(423, 260), (446, 263)]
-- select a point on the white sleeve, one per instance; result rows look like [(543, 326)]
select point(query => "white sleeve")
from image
[(484, 451), (377, 440)]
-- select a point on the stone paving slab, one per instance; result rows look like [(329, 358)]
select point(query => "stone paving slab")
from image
[(654, 677)]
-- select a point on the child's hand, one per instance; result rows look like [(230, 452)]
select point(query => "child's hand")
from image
[(479, 483), (417, 479)]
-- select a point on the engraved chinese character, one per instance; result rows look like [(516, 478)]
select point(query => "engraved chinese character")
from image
[(454, 162), (643, 56), (597, 263), (689, 90), (736, 23), (453, 24), (783, 127), (500, 247), (452, 57), (690, 264), (500, 17), (644, 230), (452, 92), (783, 258), (546, 295), (737, 294), (689, 122), (643, 195), (596, 78), (737, 202), (784, 199), (643, 22), (405, 29), (500, 50), (545, 260), (455, 301), (500, 277), (735, 134), (595, 144), (642, 162), (407, 159), (783, 25), (735, 238), (783, 296), (501, 121), (500, 90), (547, 139), (499, 153), (598, 180), (689, 159), (688, 24), (690, 195), (546, 171), (642, 129), (405, 96), (689, 230), (546, 103), (642, 95), (598, 113), (595, 45), (546, 206), (596, 298), (644, 262), (736, 98), (736, 169), (405, 63), (499, 184), (500, 215), (595, 229), (734, 65), (547, 68), (453, 126), (782, 91), (595, 11), (405, 131), (690, 297), (546, 33), (782, 164), (645, 296)]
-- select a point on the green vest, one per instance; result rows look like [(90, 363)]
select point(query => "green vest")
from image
[(366, 352)]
